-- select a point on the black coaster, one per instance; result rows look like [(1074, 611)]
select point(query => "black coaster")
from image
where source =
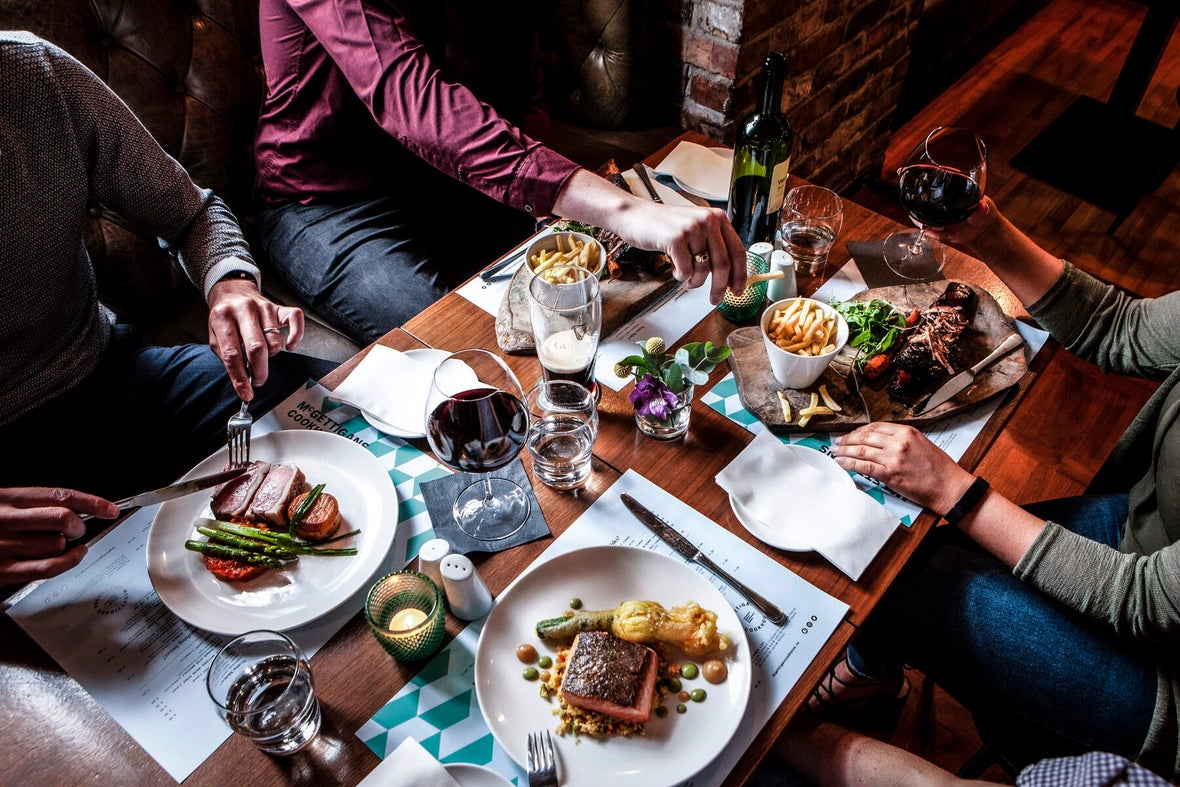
[(1102, 155), (870, 259), (440, 495)]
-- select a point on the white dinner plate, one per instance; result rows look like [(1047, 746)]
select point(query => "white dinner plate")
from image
[(673, 748), (429, 360), (775, 536), (302, 591)]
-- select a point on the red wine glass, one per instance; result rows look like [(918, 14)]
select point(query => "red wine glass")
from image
[(476, 422), (939, 183)]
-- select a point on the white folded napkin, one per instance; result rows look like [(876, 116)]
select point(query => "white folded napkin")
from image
[(392, 387), (699, 168), (409, 765), (821, 508)]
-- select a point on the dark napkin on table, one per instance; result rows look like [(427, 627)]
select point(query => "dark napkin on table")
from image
[(870, 259), (440, 495)]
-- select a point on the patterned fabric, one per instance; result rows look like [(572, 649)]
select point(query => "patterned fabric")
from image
[(1096, 769), (68, 148)]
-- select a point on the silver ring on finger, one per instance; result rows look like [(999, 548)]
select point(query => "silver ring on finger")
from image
[(271, 330), (702, 258)]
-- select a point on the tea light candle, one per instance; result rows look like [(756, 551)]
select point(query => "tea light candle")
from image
[(406, 620)]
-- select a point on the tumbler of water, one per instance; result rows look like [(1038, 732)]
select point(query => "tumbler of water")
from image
[(261, 683), (563, 423), (808, 225)]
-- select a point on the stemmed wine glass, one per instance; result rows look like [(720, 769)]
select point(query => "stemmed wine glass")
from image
[(476, 422), (940, 183)]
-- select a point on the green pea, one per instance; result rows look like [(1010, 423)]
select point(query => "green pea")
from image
[(544, 662), (661, 711), (575, 603), (682, 708), (674, 684), (530, 673), (698, 695), (689, 671)]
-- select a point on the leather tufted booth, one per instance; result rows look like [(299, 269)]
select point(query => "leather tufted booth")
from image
[(192, 74)]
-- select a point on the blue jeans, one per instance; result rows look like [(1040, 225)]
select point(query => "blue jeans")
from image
[(1039, 678), (367, 265), (143, 418)]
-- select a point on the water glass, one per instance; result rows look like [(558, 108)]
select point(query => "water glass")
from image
[(261, 683), (563, 424), (565, 305), (406, 614), (808, 225)]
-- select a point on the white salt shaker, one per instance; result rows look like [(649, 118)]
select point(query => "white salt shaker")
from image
[(780, 289), (763, 250), (467, 594), (430, 558)]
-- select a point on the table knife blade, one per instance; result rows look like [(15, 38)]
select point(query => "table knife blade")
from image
[(961, 381), (686, 549), (179, 489), (641, 171)]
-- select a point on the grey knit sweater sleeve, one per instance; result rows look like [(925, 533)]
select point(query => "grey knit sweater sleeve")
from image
[(67, 144)]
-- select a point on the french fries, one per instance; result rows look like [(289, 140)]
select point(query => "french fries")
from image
[(816, 408), (569, 251), (828, 407), (804, 327)]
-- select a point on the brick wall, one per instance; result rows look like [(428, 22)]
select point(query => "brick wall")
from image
[(845, 63)]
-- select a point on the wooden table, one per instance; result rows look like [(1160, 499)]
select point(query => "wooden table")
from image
[(53, 732)]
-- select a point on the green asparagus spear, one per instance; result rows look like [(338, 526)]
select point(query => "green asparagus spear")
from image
[(304, 507), (248, 544), (281, 540), (219, 550)]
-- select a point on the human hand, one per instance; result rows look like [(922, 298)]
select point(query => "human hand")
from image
[(903, 458), (241, 318), (700, 242), (35, 525)]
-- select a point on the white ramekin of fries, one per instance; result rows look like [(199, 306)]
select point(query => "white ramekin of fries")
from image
[(565, 248), (802, 336)]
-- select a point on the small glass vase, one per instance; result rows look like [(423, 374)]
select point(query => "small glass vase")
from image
[(675, 425)]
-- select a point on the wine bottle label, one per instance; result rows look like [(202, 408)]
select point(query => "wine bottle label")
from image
[(778, 186)]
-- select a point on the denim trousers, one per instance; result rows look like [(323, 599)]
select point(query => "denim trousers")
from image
[(367, 265), (141, 419), (1039, 678)]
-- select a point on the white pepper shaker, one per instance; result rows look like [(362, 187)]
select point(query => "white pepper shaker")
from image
[(763, 250), (430, 558), (467, 594), (780, 289)]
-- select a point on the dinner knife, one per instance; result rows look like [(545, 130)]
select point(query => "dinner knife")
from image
[(687, 549), (963, 379), (493, 273), (179, 489), (641, 171)]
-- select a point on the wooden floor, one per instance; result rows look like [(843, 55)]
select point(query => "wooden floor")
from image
[(1075, 413)]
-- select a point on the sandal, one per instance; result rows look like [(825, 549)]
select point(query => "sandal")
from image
[(873, 701)]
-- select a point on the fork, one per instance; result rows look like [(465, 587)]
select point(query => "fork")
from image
[(542, 761), (237, 431)]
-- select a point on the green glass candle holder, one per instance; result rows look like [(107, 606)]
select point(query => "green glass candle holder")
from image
[(406, 614), (747, 305)]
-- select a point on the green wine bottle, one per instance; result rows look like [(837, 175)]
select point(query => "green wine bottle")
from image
[(761, 160)]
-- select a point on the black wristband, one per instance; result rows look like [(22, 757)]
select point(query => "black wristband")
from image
[(968, 501), (237, 275)]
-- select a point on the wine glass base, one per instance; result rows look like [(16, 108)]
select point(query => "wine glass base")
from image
[(491, 509), (911, 260)]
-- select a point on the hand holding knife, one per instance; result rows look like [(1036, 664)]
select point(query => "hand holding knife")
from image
[(687, 549), (179, 489)]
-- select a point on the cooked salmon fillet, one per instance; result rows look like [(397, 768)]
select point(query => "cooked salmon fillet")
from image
[(611, 676)]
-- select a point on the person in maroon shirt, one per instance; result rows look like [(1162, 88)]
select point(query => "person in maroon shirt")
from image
[(398, 153)]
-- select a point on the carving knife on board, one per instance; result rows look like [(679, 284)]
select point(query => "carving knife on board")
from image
[(954, 386), (685, 548)]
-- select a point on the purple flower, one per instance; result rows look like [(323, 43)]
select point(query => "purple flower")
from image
[(652, 397)]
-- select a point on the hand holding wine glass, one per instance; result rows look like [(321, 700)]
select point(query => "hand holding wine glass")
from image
[(476, 422), (940, 183)]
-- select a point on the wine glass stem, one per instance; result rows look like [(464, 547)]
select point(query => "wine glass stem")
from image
[(488, 497), (916, 248)]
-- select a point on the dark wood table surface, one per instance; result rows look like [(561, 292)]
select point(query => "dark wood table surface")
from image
[(53, 732)]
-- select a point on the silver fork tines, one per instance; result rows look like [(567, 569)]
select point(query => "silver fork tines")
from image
[(542, 761), (237, 435)]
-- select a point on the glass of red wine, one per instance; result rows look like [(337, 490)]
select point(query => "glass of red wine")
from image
[(476, 422), (939, 183)]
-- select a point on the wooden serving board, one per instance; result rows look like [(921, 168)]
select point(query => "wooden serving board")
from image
[(758, 387), (622, 299)]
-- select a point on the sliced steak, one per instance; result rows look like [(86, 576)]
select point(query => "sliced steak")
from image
[(234, 496), (611, 676), (281, 484)]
